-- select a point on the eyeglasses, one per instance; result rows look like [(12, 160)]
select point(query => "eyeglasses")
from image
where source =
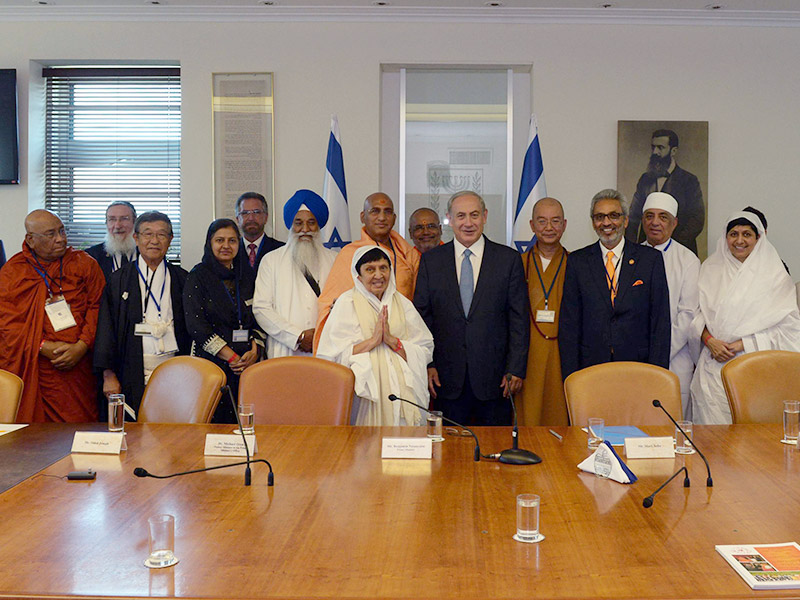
[(428, 227), (258, 211), (149, 235), (51, 235), (600, 217), (118, 219)]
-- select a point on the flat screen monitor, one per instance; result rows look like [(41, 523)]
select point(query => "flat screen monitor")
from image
[(9, 130)]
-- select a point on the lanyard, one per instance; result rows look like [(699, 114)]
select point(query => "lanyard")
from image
[(43, 274), (148, 293), (237, 302), (667, 246), (611, 285), (541, 281)]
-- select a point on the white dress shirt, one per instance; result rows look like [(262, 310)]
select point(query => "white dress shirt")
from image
[(476, 258), (617, 251)]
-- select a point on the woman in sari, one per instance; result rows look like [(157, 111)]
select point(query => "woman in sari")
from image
[(379, 334), (217, 301), (747, 303)]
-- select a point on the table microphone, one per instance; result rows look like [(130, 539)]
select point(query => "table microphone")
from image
[(648, 502), (709, 481), (515, 456), (140, 472), (478, 454)]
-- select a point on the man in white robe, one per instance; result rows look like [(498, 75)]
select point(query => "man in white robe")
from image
[(376, 331), (659, 220), (290, 279)]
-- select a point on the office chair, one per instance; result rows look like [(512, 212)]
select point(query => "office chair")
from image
[(757, 384), (184, 389), (11, 388)]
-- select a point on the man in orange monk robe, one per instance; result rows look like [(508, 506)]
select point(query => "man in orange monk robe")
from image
[(378, 218), (542, 398), (49, 302)]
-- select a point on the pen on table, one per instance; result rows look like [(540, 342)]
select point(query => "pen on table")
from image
[(558, 437)]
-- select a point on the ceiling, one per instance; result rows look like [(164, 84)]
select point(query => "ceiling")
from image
[(735, 12)]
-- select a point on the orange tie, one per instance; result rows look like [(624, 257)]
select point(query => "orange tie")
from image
[(610, 272)]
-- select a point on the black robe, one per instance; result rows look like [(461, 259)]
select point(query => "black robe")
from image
[(116, 347)]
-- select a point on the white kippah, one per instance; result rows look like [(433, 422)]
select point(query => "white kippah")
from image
[(661, 201)]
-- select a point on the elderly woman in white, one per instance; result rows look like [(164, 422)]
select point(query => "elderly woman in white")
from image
[(378, 334), (747, 303)]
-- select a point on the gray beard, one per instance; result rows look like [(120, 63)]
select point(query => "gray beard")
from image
[(114, 245), (306, 254)]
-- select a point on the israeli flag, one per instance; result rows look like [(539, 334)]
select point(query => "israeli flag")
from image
[(336, 233), (531, 189)]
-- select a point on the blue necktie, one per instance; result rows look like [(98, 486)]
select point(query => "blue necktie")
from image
[(466, 284)]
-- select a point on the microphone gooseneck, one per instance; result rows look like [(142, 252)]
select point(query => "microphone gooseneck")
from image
[(515, 456), (244, 439), (477, 453), (709, 481), (648, 502)]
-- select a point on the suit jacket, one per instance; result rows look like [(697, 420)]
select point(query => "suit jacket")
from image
[(116, 347), (637, 327), (685, 188), (103, 258), (268, 244), (493, 339)]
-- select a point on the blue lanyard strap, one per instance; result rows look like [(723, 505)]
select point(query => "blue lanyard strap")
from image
[(148, 293), (541, 281), (43, 274)]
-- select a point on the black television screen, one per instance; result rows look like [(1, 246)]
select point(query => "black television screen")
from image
[(9, 138)]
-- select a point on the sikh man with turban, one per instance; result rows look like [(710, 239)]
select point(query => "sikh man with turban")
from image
[(378, 218), (290, 279), (49, 302)]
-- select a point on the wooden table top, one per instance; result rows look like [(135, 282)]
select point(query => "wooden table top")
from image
[(340, 522)]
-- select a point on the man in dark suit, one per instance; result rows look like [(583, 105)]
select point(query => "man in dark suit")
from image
[(252, 213), (473, 297), (615, 304), (664, 175), (119, 246)]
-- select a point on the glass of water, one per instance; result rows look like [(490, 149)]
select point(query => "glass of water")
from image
[(791, 420), (162, 542), (247, 417), (435, 426), (596, 428), (528, 519), (116, 413), (683, 444)]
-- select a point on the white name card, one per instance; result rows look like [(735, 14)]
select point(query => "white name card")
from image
[(650, 447), (229, 444), (414, 447), (97, 442)]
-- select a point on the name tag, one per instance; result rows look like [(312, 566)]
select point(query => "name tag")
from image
[(227, 444), (545, 316), (97, 442), (141, 329), (241, 335), (59, 313), (651, 447), (248, 302), (414, 447)]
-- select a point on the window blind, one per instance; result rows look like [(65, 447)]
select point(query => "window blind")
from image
[(112, 134)]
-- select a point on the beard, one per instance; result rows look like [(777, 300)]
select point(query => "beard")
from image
[(305, 253), (114, 245), (659, 166)]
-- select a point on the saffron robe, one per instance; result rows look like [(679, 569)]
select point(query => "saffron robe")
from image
[(405, 264), (50, 394), (542, 398)]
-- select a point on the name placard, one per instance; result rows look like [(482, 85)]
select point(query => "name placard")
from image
[(229, 444), (97, 442), (651, 447), (414, 447)]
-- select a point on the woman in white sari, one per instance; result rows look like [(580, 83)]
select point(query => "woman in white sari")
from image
[(379, 334), (747, 303)]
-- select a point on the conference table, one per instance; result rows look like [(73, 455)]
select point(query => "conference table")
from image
[(340, 522)]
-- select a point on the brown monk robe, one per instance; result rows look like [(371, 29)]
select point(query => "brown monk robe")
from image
[(542, 398), (55, 366)]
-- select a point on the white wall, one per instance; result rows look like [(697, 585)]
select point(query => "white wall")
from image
[(743, 80)]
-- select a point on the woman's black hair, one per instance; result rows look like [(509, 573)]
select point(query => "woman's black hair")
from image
[(373, 255), (744, 222)]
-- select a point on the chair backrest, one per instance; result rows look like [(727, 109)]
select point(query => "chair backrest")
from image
[(758, 383), (298, 390), (183, 389), (10, 395), (622, 393)]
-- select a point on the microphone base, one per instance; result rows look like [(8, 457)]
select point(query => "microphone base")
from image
[(515, 456)]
